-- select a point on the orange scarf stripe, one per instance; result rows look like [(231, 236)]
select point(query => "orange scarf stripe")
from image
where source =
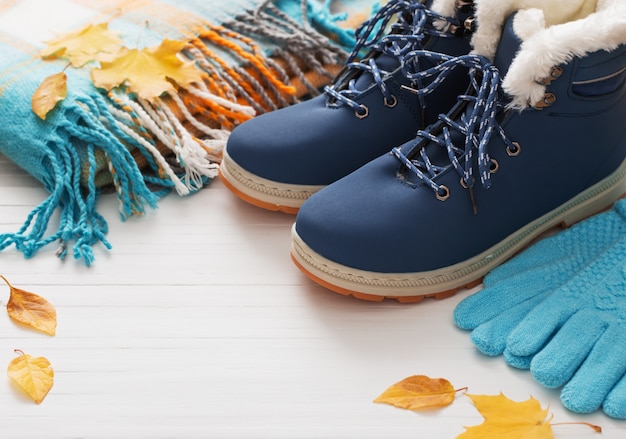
[(255, 61), (199, 44)]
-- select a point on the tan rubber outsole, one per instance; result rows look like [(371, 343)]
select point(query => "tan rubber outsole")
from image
[(376, 298), (261, 192), (256, 202), (445, 282)]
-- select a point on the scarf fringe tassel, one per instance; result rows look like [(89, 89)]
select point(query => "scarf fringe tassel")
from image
[(143, 149)]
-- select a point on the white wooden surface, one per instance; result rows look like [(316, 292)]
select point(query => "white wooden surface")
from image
[(197, 325)]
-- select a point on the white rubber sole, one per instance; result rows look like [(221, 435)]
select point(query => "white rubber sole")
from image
[(267, 194), (444, 282)]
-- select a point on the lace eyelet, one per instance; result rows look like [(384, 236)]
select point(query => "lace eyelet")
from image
[(469, 25), (392, 102), (465, 185), (515, 151), (548, 99), (445, 195), (493, 168), (363, 113), (555, 74)]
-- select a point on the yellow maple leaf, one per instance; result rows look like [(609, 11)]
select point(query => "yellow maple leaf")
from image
[(84, 45), (147, 72), (34, 375), (52, 90), (419, 392), (31, 310), (507, 419)]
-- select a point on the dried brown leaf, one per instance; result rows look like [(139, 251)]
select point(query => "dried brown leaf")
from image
[(31, 310), (419, 392), (51, 91), (507, 419), (148, 72), (34, 375), (82, 46)]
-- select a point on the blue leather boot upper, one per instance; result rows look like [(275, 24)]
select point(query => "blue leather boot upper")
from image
[(479, 174), (323, 139)]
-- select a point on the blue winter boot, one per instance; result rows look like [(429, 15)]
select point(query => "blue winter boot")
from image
[(279, 159), (537, 140)]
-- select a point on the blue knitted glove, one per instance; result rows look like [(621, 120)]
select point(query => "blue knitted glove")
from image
[(513, 289), (547, 310), (577, 336)]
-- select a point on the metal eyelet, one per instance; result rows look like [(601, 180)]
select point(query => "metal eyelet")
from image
[(469, 25), (465, 185), (392, 102), (467, 28), (515, 151), (363, 113), (493, 168), (548, 99), (555, 74), (445, 195)]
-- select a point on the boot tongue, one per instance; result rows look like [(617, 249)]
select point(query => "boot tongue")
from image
[(507, 48)]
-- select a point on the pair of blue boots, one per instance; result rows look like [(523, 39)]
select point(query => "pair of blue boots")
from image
[(466, 131), (424, 166)]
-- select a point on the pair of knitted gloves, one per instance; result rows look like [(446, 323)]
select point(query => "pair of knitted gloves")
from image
[(559, 309)]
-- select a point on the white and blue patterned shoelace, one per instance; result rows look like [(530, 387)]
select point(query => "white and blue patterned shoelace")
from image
[(477, 123), (414, 24)]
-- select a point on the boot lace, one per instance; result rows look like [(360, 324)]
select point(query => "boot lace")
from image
[(414, 23), (477, 122)]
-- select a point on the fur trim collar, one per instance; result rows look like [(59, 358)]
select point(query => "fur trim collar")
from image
[(444, 7), (553, 32)]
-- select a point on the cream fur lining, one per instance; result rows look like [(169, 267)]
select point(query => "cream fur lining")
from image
[(553, 32), (444, 7)]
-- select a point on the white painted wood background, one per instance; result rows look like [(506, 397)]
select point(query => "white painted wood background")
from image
[(198, 325)]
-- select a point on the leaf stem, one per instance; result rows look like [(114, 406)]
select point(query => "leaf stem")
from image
[(7, 282), (596, 428)]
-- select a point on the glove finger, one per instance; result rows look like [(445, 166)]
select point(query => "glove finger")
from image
[(599, 375), (516, 361), (559, 360), (615, 403), (490, 337), (534, 331), (489, 303)]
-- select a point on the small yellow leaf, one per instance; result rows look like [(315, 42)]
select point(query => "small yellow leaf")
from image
[(147, 72), (84, 45), (52, 90), (419, 392), (34, 375), (31, 310), (507, 419)]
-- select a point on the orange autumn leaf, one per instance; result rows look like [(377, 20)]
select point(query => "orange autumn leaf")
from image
[(82, 46), (52, 90), (34, 375), (147, 72), (31, 310), (507, 419), (419, 392)]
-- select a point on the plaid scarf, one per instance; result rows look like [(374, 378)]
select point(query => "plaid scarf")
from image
[(254, 56)]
